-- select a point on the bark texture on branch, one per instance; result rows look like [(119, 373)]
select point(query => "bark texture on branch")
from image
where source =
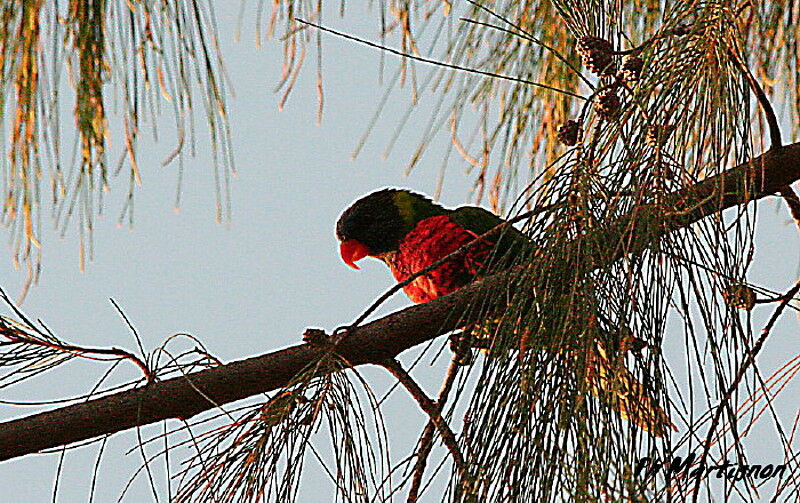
[(375, 342)]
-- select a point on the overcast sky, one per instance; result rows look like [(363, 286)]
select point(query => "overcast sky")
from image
[(253, 285)]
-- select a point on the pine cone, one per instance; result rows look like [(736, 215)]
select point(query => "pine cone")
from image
[(631, 69), (664, 170), (574, 199), (607, 104), (570, 133), (657, 135), (682, 29), (740, 296), (595, 53)]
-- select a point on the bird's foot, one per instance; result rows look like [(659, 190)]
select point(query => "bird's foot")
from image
[(316, 337)]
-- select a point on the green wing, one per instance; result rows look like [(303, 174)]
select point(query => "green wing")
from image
[(509, 242)]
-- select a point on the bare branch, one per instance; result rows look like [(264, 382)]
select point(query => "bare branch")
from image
[(426, 440), (429, 407)]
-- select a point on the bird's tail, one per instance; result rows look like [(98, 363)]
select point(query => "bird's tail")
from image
[(609, 379)]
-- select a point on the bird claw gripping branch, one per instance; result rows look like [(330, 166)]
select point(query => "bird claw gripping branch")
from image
[(316, 337)]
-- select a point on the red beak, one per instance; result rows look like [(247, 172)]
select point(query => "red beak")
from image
[(352, 251)]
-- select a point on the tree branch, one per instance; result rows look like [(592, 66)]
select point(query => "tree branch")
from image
[(426, 440), (375, 342), (430, 408)]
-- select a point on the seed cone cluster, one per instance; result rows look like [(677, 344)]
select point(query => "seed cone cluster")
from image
[(657, 135), (631, 69), (596, 54), (570, 133), (740, 296), (607, 104)]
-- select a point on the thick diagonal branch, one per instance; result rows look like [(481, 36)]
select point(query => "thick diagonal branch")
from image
[(375, 342)]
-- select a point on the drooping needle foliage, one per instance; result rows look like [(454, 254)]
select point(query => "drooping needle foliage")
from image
[(106, 66)]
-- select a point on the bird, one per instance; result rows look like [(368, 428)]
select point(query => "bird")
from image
[(409, 232)]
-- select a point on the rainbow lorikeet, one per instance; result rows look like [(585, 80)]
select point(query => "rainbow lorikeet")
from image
[(409, 232)]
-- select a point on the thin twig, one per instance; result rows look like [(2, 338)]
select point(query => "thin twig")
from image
[(130, 326), (763, 101), (678, 31), (522, 33), (429, 407), (438, 63), (18, 336)]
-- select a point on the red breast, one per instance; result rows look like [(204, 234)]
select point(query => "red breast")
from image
[(431, 240)]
